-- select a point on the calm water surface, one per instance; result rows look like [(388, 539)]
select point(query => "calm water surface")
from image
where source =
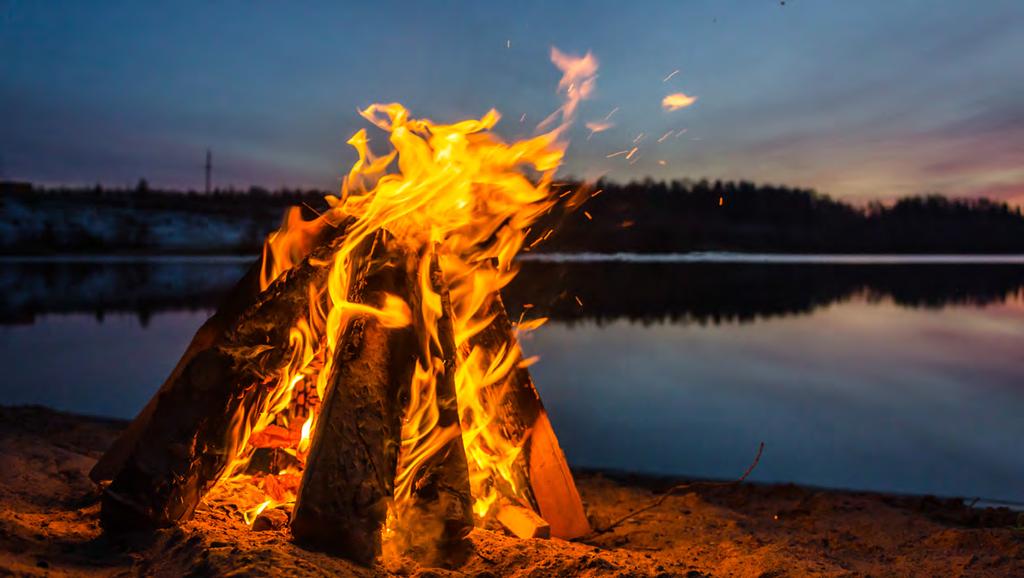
[(904, 378)]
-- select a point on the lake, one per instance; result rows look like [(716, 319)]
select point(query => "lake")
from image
[(895, 375)]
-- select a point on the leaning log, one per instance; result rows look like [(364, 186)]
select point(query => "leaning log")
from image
[(211, 334), (200, 419), (241, 296), (350, 470), (541, 466), (442, 503)]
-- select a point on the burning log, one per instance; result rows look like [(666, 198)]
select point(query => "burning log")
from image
[(541, 467), (351, 468), (201, 416), (211, 334), (241, 296), (441, 491), (350, 471)]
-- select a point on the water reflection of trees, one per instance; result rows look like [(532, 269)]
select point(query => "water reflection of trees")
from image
[(706, 293), (712, 293), (30, 289)]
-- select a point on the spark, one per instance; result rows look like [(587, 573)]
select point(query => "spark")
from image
[(587, 215), (677, 100), (674, 72), (596, 193), (625, 152), (522, 118), (580, 303), (665, 136), (721, 201), (508, 44), (632, 152), (609, 115), (598, 126)]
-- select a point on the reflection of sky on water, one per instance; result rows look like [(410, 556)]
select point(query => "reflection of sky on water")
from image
[(74, 363), (855, 394)]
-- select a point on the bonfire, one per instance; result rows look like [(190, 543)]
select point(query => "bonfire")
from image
[(363, 383)]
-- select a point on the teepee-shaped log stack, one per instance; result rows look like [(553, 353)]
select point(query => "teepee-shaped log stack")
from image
[(187, 436)]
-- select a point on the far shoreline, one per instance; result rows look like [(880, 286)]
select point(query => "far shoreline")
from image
[(580, 257)]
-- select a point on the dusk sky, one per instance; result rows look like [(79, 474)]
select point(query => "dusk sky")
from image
[(861, 100)]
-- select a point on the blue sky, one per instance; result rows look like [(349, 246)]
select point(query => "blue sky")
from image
[(862, 100)]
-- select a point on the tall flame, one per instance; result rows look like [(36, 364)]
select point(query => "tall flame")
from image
[(456, 194)]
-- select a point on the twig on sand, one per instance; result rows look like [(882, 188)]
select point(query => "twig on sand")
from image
[(661, 499)]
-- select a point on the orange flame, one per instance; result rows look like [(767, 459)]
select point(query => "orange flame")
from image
[(288, 245), (455, 192)]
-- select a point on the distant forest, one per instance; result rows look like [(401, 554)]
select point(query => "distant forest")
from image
[(684, 216), (640, 217)]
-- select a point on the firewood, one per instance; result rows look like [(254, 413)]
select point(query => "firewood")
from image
[(270, 520), (523, 522), (194, 430), (350, 470), (212, 333), (271, 461), (541, 466), (441, 492), (209, 334)]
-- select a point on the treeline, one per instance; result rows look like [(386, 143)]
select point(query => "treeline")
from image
[(640, 217), (100, 220), (253, 202), (684, 216)]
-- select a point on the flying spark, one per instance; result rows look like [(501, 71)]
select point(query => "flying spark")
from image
[(598, 126), (677, 101)]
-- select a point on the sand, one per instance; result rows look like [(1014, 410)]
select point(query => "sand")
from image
[(49, 527)]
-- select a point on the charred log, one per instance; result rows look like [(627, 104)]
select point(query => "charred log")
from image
[(198, 420), (350, 471), (211, 334), (441, 492)]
